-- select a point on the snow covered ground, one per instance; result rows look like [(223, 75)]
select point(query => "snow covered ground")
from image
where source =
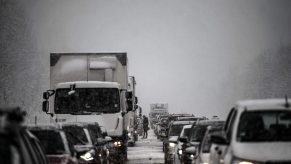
[(147, 151)]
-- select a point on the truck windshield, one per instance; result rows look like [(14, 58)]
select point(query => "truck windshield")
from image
[(264, 126), (87, 101)]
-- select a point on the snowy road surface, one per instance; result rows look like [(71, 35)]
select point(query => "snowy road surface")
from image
[(147, 151)]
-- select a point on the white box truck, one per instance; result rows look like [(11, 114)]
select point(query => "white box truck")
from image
[(133, 114), (91, 87)]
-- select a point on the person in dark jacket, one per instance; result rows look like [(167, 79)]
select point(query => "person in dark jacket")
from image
[(145, 126)]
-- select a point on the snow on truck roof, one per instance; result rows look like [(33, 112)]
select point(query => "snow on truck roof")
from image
[(89, 84), (263, 104)]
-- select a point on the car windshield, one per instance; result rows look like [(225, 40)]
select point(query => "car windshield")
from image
[(51, 146), (95, 132), (199, 130), (87, 101), (186, 132), (176, 130), (264, 126), (76, 135)]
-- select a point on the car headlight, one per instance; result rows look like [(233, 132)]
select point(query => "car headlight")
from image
[(171, 144), (180, 152), (135, 131), (129, 134), (242, 161), (87, 156), (117, 143)]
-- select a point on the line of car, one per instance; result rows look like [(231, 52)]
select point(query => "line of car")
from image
[(255, 132), (62, 143)]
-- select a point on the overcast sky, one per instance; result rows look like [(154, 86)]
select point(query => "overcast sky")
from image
[(197, 55)]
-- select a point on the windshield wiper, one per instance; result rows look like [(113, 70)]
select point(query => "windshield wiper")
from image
[(85, 113)]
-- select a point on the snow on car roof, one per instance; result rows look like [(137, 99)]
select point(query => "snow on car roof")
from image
[(43, 127), (89, 84), (182, 122), (187, 126), (262, 104)]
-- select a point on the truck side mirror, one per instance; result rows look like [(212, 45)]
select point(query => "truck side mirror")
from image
[(129, 105), (128, 95), (136, 100), (45, 95), (45, 106)]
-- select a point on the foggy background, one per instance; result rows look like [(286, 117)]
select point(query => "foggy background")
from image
[(199, 56)]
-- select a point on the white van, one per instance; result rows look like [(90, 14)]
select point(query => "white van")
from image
[(256, 131)]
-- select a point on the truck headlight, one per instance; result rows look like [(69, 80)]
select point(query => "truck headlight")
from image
[(171, 144)]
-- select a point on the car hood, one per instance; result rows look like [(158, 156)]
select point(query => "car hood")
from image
[(173, 139), (265, 151)]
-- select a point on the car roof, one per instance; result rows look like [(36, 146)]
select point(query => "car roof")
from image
[(43, 127), (187, 126), (209, 122), (262, 104), (182, 122)]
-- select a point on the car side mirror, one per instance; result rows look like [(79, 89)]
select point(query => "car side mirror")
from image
[(100, 141), (183, 139), (219, 139), (108, 139)]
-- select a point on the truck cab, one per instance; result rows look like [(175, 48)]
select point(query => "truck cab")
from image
[(90, 87)]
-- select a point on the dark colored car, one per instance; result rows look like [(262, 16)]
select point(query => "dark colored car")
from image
[(78, 134), (100, 141), (57, 148), (18, 145)]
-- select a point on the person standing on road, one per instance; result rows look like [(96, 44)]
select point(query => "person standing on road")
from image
[(145, 126)]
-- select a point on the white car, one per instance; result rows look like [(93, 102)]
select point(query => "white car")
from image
[(256, 131), (204, 151), (185, 133)]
